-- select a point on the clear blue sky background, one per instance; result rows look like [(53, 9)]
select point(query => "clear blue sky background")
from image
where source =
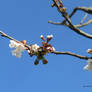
[(28, 19)]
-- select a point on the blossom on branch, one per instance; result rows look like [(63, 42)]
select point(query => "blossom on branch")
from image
[(19, 48), (33, 49), (41, 51)]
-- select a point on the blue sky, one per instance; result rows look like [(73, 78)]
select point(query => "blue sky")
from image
[(27, 20)]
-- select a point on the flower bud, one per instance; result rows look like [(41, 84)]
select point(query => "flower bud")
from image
[(42, 37), (89, 50), (49, 37), (45, 61), (36, 62)]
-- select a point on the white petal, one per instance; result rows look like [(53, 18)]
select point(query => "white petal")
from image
[(53, 49), (20, 48), (88, 66), (35, 47), (41, 36), (49, 36), (16, 53), (11, 45)]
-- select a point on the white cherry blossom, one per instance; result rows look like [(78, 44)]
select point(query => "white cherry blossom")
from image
[(53, 49), (19, 48), (35, 47), (13, 44), (89, 65)]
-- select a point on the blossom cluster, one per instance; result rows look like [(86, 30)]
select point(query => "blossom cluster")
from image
[(19, 48), (39, 51), (34, 49)]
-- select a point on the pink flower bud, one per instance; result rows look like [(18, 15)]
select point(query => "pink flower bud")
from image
[(49, 37), (42, 37), (50, 49), (45, 61), (89, 50)]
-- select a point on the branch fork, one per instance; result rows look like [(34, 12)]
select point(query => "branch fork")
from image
[(67, 17)]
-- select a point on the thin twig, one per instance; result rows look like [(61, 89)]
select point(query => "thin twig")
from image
[(85, 24), (85, 9), (72, 54), (75, 29), (57, 23), (7, 36), (84, 18), (77, 26)]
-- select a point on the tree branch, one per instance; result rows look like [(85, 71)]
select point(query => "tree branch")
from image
[(72, 54), (7, 36), (54, 52), (71, 26), (11, 38), (57, 23), (77, 26), (85, 9)]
